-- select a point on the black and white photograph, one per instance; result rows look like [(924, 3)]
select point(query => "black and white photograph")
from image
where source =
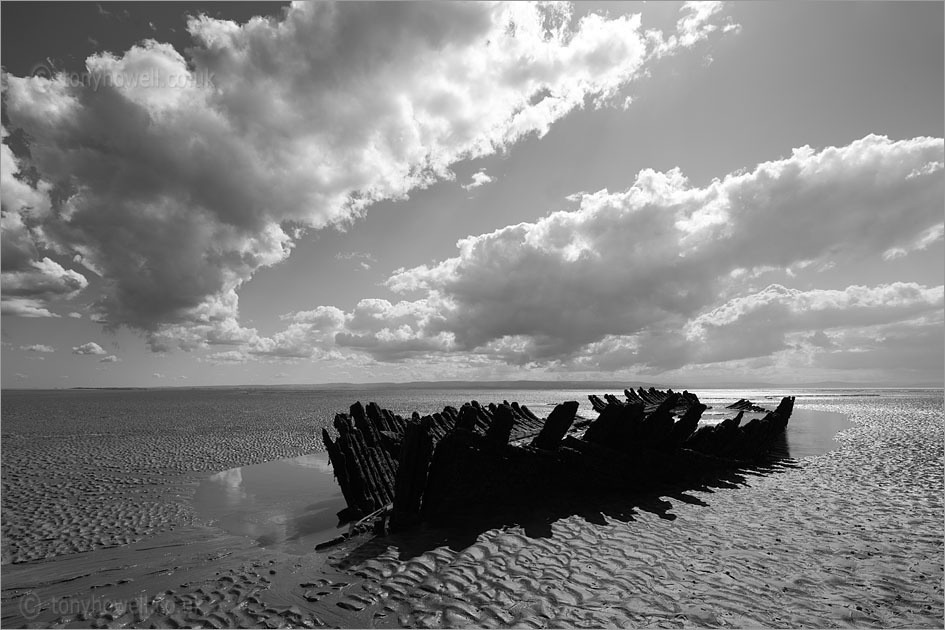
[(460, 314)]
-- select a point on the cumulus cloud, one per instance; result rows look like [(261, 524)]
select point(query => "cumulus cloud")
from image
[(660, 253), (759, 324), (25, 307), (695, 25), (175, 195), (28, 280), (212, 323), (310, 333), (109, 359), (38, 347), (393, 332), (88, 348), (659, 276), (479, 178), (226, 357)]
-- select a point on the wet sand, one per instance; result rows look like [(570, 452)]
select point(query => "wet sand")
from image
[(852, 537)]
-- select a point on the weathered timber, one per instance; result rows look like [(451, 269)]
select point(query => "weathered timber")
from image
[(476, 458), (596, 403), (744, 404), (556, 426), (500, 430), (616, 425), (650, 398), (685, 426), (366, 454), (412, 474)]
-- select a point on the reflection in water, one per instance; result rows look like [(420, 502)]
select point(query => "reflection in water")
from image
[(814, 432), (289, 504), (231, 482), (808, 432)]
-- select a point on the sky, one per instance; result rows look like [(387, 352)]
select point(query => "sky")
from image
[(255, 193)]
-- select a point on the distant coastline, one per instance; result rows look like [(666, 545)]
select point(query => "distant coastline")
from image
[(140, 388)]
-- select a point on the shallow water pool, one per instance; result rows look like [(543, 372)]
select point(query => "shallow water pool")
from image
[(809, 432), (287, 504)]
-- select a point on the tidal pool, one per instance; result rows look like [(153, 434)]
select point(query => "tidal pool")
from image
[(287, 504), (808, 433), (812, 432)]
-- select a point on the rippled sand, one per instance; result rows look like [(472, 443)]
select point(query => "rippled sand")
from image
[(850, 538), (71, 488)]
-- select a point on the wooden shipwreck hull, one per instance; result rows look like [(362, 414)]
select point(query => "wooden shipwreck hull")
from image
[(479, 458)]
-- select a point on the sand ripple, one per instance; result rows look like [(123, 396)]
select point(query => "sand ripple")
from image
[(851, 538), (68, 493)]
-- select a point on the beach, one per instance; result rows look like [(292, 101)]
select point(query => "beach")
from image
[(101, 527)]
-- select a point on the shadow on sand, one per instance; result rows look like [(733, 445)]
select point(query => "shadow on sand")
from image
[(537, 516)]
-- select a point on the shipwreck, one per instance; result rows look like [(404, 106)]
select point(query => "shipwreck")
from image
[(397, 472)]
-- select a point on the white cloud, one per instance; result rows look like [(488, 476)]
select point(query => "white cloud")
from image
[(158, 375), (109, 359), (695, 25), (25, 307), (38, 347), (43, 278), (363, 259), (176, 196), (479, 178), (759, 324), (88, 348), (75, 315), (212, 323), (227, 357), (923, 241), (625, 277), (300, 340), (27, 280), (660, 253)]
